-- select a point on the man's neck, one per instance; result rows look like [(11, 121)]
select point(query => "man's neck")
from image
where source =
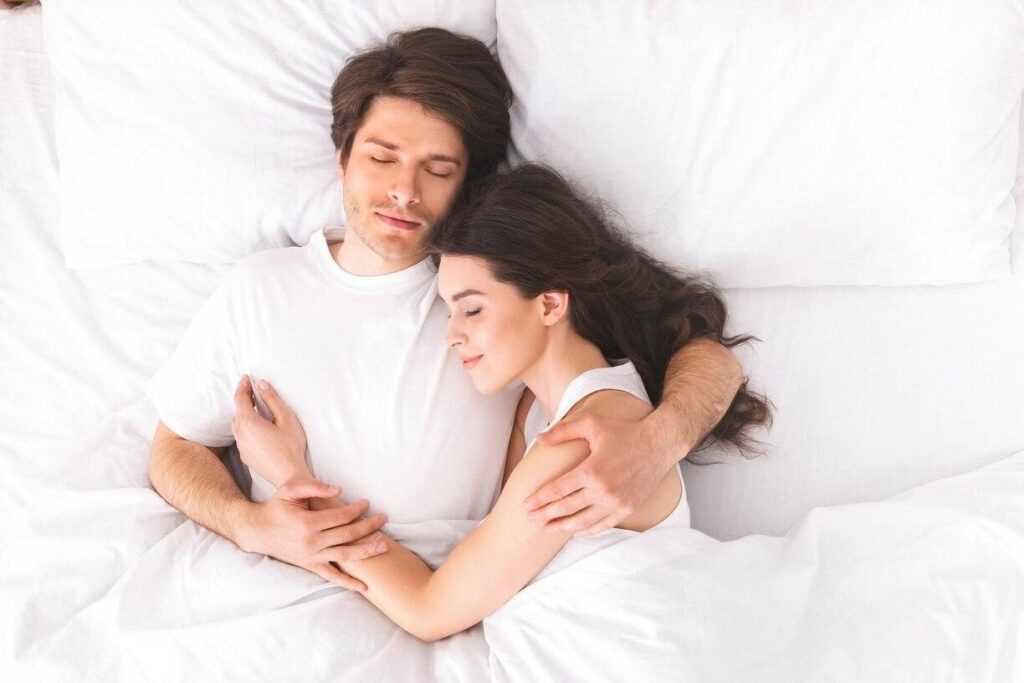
[(356, 258)]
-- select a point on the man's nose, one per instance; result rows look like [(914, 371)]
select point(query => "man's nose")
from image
[(405, 189)]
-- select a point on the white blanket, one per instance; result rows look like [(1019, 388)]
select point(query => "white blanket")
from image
[(101, 580)]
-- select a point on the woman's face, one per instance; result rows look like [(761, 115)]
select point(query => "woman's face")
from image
[(497, 333)]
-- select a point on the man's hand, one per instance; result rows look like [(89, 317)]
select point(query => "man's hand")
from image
[(274, 449), (623, 470), (285, 528)]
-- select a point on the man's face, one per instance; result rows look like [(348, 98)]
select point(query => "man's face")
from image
[(402, 176)]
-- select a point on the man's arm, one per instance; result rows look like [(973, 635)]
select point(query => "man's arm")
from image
[(192, 478), (700, 384), (629, 459)]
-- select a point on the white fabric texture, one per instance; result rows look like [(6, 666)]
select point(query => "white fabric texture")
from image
[(388, 411), (878, 390), (214, 118), (782, 143)]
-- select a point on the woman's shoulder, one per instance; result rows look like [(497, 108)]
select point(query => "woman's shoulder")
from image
[(612, 403)]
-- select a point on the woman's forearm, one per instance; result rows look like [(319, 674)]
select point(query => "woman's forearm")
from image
[(397, 583)]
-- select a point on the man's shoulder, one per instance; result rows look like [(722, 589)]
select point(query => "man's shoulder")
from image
[(268, 265)]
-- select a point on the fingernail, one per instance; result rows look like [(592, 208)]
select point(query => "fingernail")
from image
[(263, 384), (381, 547)]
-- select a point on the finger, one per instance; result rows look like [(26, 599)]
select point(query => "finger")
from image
[(327, 519), (310, 488), (343, 535), (602, 525), (565, 431), (563, 507), (581, 520), (555, 490), (329, 572), (244, 400), (350, 553), (278, 408)]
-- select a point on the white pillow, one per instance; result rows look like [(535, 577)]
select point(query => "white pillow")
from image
[(200, 131), (783, 143)]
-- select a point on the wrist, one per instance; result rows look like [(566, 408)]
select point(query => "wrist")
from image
[(242, 527), (670, 440)]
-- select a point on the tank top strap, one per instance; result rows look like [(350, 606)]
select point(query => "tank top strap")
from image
[(622, 377)]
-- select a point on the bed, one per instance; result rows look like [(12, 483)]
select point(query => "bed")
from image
[(880, 538)]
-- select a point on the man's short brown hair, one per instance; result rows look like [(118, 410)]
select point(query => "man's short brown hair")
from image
[(453, 76)]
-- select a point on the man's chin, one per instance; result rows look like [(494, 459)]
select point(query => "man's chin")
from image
[(393, 248)]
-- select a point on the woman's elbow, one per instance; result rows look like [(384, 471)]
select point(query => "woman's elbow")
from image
[(430, 633), (432, 625)]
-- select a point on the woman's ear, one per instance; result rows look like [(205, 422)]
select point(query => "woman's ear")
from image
[(555, 307)]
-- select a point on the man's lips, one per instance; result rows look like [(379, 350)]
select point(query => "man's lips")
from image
[(470, 363), (397, 222)]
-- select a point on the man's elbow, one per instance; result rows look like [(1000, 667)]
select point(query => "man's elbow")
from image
[(727, 366)]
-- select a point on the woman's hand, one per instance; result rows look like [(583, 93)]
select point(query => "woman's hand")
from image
[(275, 450)]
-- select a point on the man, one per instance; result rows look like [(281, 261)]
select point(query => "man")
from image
[(352, 334)]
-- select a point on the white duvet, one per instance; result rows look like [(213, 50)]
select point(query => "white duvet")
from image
[(102, 580)]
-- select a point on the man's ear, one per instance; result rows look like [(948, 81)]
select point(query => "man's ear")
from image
[(339, 165), (555, 306)]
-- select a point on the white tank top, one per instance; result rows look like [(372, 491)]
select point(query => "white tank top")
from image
[(622, 377)]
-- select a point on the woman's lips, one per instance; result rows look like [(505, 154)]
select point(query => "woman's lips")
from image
[(398, 222), (471, 363)]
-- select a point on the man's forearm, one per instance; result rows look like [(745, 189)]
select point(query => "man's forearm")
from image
[(700, 384), (193, 479)]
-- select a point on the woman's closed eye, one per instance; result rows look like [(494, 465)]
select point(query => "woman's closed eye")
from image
[(468, 314)]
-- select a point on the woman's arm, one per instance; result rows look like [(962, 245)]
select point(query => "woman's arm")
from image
[(486, 569), (629, 458)]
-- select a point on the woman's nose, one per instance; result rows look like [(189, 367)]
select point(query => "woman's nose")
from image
[(452, 336)]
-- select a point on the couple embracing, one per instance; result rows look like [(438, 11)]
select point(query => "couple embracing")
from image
[(476, 345)]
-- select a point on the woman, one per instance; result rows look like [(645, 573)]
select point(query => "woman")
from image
[(543, 290)]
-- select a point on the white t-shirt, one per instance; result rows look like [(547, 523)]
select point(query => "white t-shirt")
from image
[(388, 411)]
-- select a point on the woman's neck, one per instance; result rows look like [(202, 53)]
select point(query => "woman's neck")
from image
[(567, 356)]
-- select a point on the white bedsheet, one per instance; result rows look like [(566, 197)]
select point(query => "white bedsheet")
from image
[(102, 580)]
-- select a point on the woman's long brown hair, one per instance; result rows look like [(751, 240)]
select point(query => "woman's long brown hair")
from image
[(538, 235)]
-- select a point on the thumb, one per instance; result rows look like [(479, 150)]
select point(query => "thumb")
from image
[(311, 488), (278, 408), (562, 432)]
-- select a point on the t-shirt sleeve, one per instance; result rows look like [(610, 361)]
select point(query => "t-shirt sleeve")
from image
[(194, 391)]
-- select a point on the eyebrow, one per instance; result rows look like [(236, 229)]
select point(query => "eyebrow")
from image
[(433, 157), (465, 293)]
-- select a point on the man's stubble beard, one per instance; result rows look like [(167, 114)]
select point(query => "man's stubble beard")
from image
[(361, 219)]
